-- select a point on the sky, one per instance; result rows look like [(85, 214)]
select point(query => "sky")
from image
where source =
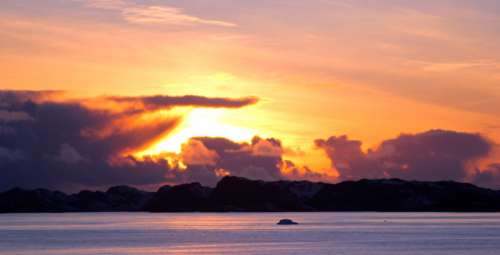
[(192, 90)]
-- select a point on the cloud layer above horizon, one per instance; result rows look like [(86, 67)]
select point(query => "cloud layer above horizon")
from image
[(70, 144), (431, 156), (65, 143)]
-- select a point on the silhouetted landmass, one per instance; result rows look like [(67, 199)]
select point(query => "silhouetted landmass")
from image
[(244, 195), (181, 198), (121, 198), (240, 194)]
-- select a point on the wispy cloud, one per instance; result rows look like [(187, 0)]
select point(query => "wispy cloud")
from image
[(451, 66), (106, 4), (153, 14)]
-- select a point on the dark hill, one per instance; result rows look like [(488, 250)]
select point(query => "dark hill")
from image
[(182, 198)]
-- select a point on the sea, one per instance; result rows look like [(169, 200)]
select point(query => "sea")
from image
[(250, 233)]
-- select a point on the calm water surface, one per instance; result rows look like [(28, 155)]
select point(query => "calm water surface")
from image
[(249, 233)]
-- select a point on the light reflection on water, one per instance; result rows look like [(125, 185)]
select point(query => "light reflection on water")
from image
[(249, 233)]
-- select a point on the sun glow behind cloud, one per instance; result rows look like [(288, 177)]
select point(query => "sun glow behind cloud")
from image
[(200, 122)]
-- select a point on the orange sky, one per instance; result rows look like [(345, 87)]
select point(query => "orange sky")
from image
[(368, 69)]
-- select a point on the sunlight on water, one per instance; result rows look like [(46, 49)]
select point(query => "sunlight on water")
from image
[(249, 233)]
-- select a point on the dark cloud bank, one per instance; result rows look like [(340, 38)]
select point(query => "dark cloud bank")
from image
[(69, 145), (430, 156)]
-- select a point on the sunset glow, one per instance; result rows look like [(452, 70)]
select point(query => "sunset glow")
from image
[(249, 127), (199, 123)]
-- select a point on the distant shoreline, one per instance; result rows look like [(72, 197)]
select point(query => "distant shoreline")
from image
[(240, 195)]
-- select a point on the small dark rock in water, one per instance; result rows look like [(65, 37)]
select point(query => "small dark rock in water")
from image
[(287, 222)]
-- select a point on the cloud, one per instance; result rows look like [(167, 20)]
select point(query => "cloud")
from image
[(293, 172), (9, 155), (169, 15), (267, 147), (260, 159), (106, 4), (194, 152), (159, 101), (69, 155), (241, 159), (431, 156), (11, 98), (62, 135), (68, 144), (72, 144), (14, 116), (153, 14), (488, 177)]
